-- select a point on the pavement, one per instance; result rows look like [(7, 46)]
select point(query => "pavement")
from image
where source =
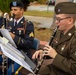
[(42, 21), (41, 7)]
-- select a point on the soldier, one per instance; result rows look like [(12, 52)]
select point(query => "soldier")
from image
[(21, 31), (63, 45)]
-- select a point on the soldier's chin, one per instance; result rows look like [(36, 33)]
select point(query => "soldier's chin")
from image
[(17, 17), (59, 29)]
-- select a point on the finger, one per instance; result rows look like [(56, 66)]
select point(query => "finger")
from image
[(45, 48), (37, 55), (46, 53), (34, 56)]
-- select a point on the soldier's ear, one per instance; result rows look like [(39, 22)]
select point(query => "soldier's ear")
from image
[(71, 20), (22, 10)]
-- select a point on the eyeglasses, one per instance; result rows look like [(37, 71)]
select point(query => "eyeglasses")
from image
[(59, 19)]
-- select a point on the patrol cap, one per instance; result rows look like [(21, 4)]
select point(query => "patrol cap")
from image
[(16, 3), (65, 8)]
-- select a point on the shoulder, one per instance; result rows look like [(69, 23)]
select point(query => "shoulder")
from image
[(29, 22), (74, 37), (75, 33)]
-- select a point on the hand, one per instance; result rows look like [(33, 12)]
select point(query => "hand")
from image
[(49, 51), (1, 52), (12, 35), (37, 54)]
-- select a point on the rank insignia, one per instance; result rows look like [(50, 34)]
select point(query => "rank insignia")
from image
[(63, 47), (14, 3), (31, 34), (59, 10), (55, 40)]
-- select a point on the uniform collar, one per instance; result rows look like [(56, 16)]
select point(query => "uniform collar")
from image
[(18, 20), (68, 35)]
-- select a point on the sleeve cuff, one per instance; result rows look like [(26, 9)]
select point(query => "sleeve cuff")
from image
[(58, 60)]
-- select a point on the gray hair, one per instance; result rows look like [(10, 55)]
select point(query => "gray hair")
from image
[(72, 16)]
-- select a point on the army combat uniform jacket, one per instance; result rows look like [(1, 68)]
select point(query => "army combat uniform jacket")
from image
[(23, 39), (65, 61)]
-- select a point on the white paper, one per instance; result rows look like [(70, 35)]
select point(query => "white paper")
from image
[(10, 54), (6, 34), (11, 48)]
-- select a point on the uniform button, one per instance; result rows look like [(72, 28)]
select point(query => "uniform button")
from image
[(21, 21), (62, 48), (69, 34), (13, 32)]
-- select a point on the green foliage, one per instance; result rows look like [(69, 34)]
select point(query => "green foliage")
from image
[(4, 6), (39, 13), (42, 1), (39, 1)]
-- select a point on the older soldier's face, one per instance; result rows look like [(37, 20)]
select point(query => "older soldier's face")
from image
[(18, 12), (64, 22)]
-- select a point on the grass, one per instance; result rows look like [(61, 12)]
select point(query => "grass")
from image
[(43, 34), (39, 13)]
